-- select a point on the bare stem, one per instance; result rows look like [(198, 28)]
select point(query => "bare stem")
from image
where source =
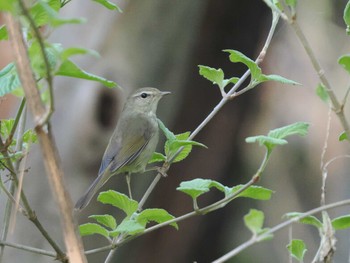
[(44, 55), (47, 143), (337, 107), (28, 248), (258, 238)]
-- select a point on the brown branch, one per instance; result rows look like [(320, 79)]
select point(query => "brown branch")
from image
[(48, 146)]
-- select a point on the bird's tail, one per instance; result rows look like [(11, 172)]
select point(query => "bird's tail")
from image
[(92, 190)]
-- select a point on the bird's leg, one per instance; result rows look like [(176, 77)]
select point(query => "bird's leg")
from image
[(128, 181)]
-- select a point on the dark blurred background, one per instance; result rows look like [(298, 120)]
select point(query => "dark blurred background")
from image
[(161, 43)]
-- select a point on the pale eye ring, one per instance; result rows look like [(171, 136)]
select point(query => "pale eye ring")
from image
[(144, 95)]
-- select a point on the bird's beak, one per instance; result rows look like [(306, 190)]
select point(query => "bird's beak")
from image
[(163, 93)]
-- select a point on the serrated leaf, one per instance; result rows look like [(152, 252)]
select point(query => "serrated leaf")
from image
[(341, 222), (343, 136), (267, 141), (109, 5), (47, 13), (42, 12), (9, 80), (182, 136), (298, 128), (322, 93), (297, 249), (118, 200), (309, 220), (106, 220), (72, 51), (277, 78), (181, 140), (52, 52), (198, 186), (157, 157), (156, 215), (29, 137), (236, 56), (344, 61), (175, 145), (128, 226), (69, 69), (3, 33), (216, 76), (254, 192), (233, 80), (254, 221), (6, 127), (91, 229), (168, 134)]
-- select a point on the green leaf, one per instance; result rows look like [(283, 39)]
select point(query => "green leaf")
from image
[(267, 141), (157, 157), (254, 192), (118, 200), (168, 134), (291, 3), (236, 56), (6, 127), (69, 69), (298, 128), (341, 222), (7, 5), (109, 5), (3, 33), (343, 136), (29, 137), (322, 93), (52, 52), (181, 140), (106, 220), (309, 220), (297, 249), (346, 17), (9, 80), (344, 61), (156, 215), (91, 228), (42, 12), (68, 52), (277, 78), (47, 13), (198, 186), (254, 221), (214, 75), (128, 226), (276, 137)]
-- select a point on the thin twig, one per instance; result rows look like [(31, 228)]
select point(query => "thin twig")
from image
[(21, 120), (30, 214), (337, 107), (268, 233), (28, 248)]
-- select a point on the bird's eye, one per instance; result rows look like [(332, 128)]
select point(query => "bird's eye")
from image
[(144, 95)]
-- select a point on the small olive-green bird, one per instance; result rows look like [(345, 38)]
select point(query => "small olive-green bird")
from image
[(133, 142)]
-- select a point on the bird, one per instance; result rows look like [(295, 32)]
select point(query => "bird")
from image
[(132, 143)]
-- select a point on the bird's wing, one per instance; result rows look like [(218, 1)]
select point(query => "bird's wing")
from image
[(118, 156)]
